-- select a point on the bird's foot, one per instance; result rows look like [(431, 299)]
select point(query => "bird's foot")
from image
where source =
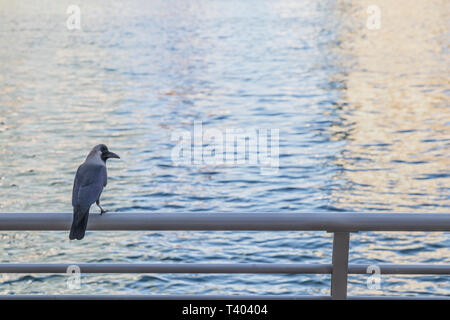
[(103, 211)]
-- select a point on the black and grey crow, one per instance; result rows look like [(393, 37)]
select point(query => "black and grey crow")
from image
[(89, 181)]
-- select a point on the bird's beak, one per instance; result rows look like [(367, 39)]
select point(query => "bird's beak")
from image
[(111, 155)]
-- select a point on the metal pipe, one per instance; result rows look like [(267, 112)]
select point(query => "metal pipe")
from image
[(402, 269), (341, 242), (203, 297), (170, 268), (158, 297), (267, 268), (332, 222)]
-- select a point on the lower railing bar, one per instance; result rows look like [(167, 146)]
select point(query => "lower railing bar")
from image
[(380, 297), (160, 297), (428, 269), (205, 297), (169, 268), (290, 268)]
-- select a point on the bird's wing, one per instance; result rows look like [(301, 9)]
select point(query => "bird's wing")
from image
[(105, 178), (76, 188), (88, 186)]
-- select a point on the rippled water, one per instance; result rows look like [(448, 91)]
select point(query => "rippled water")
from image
[(364, 122)]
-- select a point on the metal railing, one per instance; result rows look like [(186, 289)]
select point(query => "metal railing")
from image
[(340, 224)]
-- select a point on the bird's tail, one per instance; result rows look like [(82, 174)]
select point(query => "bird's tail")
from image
[(79, 224)]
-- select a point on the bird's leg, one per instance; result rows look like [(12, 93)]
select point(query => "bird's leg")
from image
[(102, 211)]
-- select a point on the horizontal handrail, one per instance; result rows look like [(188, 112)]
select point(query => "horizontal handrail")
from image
[(269, 268), (332, 222)]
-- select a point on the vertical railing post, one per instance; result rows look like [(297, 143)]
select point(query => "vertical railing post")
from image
[(341, 241)]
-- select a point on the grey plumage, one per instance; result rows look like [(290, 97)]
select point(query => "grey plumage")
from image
[(90, 179)]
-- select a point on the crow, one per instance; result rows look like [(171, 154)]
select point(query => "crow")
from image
[(89, 181)]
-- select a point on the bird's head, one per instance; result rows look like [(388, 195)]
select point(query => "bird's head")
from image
[(101, 151)]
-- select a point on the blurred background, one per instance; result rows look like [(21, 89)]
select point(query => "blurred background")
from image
[(363, 114)]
